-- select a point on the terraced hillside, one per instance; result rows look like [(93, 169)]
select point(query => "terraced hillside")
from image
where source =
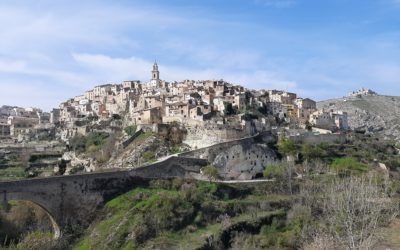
[(376, 114), (182, 214)]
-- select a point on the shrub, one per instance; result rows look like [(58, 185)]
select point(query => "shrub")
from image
[(277, 171), (37, 240), (288, 147), (210, 172), (175, 150), (311, 152), (96, 139), (130, 130), (78, 143), (149, 156)]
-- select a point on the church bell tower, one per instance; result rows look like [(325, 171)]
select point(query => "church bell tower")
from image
[(155, 74)]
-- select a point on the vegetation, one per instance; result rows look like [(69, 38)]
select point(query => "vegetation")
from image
[(348, 165), (210, 172), (341, 200), (18, 220), (288, 147), (228, 109), (130, 130), (149, 156), (275, 171), (179, 214), (175, 150), (98, 145)]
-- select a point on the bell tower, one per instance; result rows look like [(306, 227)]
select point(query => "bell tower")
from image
[(155, 74)]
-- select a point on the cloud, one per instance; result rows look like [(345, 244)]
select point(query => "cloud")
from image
[(118, 69), (56, 50)]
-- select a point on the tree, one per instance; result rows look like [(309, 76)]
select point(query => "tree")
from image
[(290, 149), (210, 172), (277, 171), (310, 153), (354, 208)]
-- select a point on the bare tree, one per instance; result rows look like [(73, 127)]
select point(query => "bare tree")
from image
[(354, 208)]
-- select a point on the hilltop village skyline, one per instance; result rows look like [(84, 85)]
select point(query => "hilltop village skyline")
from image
[(189, 102)]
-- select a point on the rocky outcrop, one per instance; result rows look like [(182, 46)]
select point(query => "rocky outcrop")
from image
[(135, 154), (244, 161), (239, 159), (372, 114), (73, 163)]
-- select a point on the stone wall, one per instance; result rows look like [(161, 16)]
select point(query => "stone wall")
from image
[(170, 168), (316, 139), (204, 136)]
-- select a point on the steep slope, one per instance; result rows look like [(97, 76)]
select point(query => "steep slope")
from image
[(377, 114)]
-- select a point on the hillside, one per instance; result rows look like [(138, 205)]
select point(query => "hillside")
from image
[(377, 114)]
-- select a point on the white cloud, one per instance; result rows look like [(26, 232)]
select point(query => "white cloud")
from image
[(120, 69)]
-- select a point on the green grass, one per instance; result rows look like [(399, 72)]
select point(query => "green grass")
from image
[(83, 245), (349, 164), (12, 173)]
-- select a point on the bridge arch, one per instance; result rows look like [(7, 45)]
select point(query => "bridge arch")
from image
[(54, 224)]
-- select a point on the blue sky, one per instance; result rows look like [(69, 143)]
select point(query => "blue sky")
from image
[(53, 50)]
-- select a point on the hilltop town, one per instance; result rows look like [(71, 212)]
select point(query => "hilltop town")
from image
[(190, 103), (187, 115)]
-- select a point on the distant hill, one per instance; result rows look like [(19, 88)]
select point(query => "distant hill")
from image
[(375, 113)]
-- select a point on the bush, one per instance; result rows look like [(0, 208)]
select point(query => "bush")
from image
[(288, 147), (277, 171), (210, 172), (37, 240), (78, 143), (175, 150), (130, 130), (149, 156), (311, 152), (96, 139)]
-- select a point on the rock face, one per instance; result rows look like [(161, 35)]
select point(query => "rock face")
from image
[(73, 162), (372, 114), (244, 161), (199, 136), (133, 155), (239, 159)]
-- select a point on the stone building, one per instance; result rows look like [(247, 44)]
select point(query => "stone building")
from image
[(331, 120)]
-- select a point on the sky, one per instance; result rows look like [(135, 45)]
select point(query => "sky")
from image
[(54, 50)]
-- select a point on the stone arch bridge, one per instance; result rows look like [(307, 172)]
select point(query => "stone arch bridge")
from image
[(71, 201)]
